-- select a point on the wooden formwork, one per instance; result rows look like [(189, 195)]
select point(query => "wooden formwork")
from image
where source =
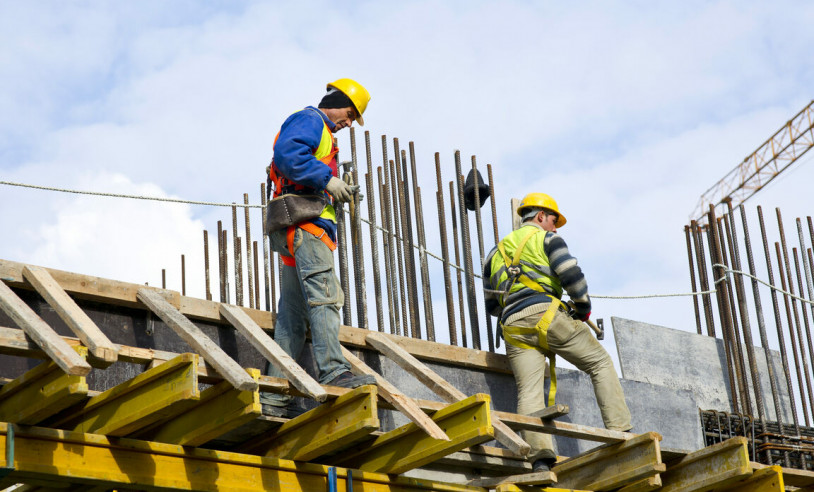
[(192, 421)]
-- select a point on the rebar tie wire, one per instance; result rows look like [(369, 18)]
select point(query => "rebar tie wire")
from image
[(726, 269)]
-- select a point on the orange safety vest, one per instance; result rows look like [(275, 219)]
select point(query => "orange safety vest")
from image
[(326, 153)]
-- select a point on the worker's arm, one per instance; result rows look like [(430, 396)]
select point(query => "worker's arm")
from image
[(570, 274), (294, 151)]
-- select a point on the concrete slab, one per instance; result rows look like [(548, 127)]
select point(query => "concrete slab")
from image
[(682, 360)]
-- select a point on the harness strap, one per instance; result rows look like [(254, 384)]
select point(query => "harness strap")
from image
[(311, 228), (541, 329)]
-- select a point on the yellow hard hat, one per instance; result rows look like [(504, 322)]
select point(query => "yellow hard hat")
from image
[(358, 95), (543, 201)]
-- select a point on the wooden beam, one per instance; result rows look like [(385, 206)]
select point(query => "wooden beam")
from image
[(73, 316), (497, 461), (510, 487), (534, 478), (41, 333), (198, 340), (441, 387), (220, 409), (769, 479), (41, 392), (273, 352), (792, 477), (719, 465), (467, 422), (612, 466), (330, 427), (14, 342), (552, 412), (644, 485), (152, 396), (122, 463), (124, 294), (399, 400)]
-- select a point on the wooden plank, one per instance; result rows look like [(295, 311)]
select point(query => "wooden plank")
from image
[(486, 458), (644, 485), (401, 402), (198, 340), (41, 392), (220, 409), (273, 352), (154, 395), (552, 412), (466, 422), (792, 477), (73, 316), (124, 294), (15, 342), (330, 427), (535, 478), (41, 333), (510, 487), (719, 465), (769, 479), (612, 466), (441, 387), (122, 463)]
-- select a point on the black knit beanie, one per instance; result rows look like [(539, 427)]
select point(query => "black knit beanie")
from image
[(335, 99)]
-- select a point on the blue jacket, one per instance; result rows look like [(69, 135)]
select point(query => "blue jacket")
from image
[(294, 154)]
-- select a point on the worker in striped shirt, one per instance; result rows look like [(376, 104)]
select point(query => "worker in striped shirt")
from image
[(524, 277)]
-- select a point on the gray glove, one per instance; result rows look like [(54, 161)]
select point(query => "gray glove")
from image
[(340, 190)]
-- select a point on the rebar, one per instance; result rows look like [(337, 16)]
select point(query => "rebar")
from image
[(163, 278), (183, 276), (238, 262), (394, 260), (266, 262), (357, 244), (492, 199), (805, 320), (221, 263), (700, 259), (792, 336), (407, 238), (742, 307), (256, 276), (389, 261), (343, 263), (429, 319), (457, 261), (490, 335), (249, 263), (778, 322), (397, 239), (796, 315), (206, 265), (374, 235), (692, 280), (467, 249), (442, 226), (761, 325), (723, 306), (225, 259), (809, 286)]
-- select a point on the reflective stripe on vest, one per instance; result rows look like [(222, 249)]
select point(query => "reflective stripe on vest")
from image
[(530, 267), (326, 153)]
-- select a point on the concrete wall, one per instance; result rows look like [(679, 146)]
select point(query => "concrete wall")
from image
[(687, 361)]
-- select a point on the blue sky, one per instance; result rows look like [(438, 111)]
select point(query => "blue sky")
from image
[(625, 112)]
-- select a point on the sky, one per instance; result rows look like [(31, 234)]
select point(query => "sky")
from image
[(624, 112)]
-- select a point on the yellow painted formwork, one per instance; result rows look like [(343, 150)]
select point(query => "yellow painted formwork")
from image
[(43, 456)]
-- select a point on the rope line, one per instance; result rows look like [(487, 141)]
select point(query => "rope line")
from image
[(726, 269)]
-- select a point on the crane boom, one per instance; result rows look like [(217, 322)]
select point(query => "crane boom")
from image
[(776, 154)]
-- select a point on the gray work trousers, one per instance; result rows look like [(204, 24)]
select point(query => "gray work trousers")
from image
[(573, 341)]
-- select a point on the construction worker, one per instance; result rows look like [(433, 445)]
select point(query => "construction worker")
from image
[(524, 277), (305, 163)]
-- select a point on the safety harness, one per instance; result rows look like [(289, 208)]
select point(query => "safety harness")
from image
[(311, 228), (515, 272)]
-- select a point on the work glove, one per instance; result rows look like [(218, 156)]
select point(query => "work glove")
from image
[(340, 190)]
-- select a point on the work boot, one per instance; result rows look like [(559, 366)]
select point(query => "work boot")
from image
[(287, 412), (348, 380), (542, 465)]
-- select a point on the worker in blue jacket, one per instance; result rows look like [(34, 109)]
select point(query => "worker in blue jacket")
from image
[(305, 163)]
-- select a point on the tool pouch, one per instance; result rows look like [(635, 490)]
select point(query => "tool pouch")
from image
[(288, 210)]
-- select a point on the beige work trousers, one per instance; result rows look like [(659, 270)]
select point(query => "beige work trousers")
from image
[(573, 341)]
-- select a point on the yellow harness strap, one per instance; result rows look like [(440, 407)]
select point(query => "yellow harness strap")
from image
[(541, 329)]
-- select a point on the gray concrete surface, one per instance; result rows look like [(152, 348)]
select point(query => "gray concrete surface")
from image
[(682, 360)]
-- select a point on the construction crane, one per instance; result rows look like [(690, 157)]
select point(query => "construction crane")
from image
[(774, 156)]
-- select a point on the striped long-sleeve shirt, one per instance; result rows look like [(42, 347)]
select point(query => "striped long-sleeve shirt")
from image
[(563, 266)]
